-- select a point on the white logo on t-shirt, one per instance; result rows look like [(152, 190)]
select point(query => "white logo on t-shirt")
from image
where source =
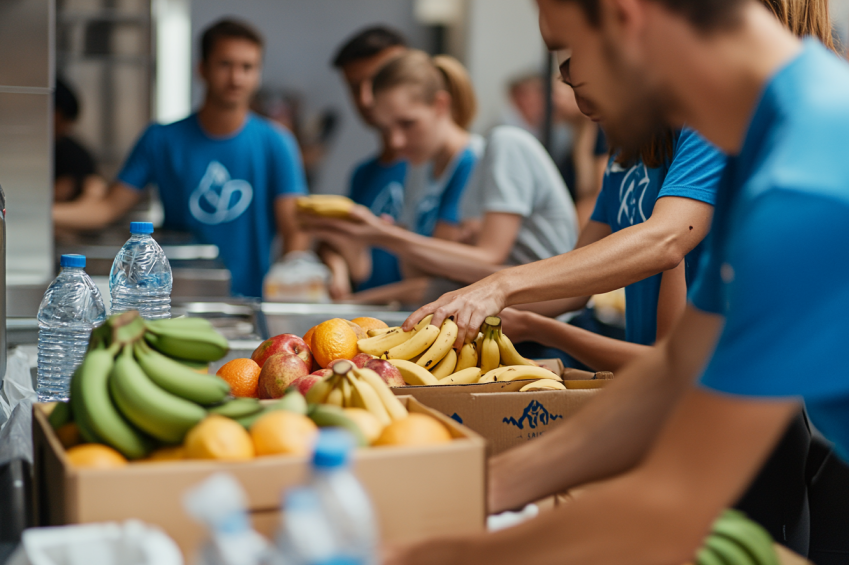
[(218, 199), (636, 179)]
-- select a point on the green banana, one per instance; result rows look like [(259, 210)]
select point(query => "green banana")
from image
[(60, 415), (327, 416), (180, 324), (179, 379), (748, 534), (78, 410), (730, 552), (707, 556), (159, 413), (100, 413), (190, 344), (292, 401), (237, 408)]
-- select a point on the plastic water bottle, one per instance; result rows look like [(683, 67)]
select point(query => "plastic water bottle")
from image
[(141, 276), (70, 309), (306, 536)]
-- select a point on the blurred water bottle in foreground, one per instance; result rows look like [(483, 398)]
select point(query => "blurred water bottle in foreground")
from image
[(141, 276)]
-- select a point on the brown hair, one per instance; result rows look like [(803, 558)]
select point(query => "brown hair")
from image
[(227, 28), (802, 17), (429, 75)]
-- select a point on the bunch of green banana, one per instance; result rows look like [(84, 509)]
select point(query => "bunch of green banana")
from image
[(350, 387), (736, 540), (192, 339), (246, 411)]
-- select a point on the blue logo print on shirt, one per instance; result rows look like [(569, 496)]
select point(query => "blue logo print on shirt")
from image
[(535, 414), (218, 199), (632, 190)]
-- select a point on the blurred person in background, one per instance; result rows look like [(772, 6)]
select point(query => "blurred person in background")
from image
[(223, 173), (378, 181), (526, 110), (74, 168)]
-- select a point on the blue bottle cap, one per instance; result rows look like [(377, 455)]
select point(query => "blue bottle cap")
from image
[(72, 261), (332, 449), (141, 227)]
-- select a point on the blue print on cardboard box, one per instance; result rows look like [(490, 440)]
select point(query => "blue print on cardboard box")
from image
[(535, 414)]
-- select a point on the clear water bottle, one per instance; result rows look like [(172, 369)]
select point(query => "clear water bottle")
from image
[(306, 536), (141, 276), (70, 309)]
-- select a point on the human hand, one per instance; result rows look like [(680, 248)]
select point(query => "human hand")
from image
[(360, 225), (519, 325), (468, 306)]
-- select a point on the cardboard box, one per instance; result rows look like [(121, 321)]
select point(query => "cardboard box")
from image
[(417, 492), (501, 414)]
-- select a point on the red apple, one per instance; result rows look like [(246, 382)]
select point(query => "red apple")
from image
[(321, 373), (304, 384), (278, 373), (361, 359), (284, 343), (387, 371)]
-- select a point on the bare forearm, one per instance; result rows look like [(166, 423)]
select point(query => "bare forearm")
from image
[(83, 214), (295, 240), (554, 308)]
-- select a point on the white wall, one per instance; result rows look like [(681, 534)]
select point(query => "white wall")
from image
[(301, 37)]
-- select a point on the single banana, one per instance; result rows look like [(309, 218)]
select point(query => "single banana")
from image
[(78, 410), (380, 331), (329, 205), (447, 366), (730, 551), (99, 412), (751, 536), (466, 376), (165, 416), (522, 372), (423, 339), (440, 348), (490, 356), (317, 394), (491, 376), (468, 357), (380, 344), (478, 344), (707, 556), (292, 401), (509, 355), (363, 395), (183, 323), (347, 392), (393, 406), (335, 397), (543, 384), (327, 416), (60, 415), (192, 345), (179, 379), (237, 408), (413, 374)]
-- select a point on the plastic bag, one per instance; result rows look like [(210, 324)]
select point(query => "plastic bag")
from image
[(17, 384)]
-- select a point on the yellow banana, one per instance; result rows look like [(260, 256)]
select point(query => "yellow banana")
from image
[(543, 384), (346, 393), (413, 374), (380, 331), (446, 366), (509, 355), (380, 344), (490, 356), (478, 344), (588, 383), (393, 406), (468, 357), (335, 397), (423, 339), (329, 205), (490, 377), (318, 392), (440, 348), (520, 372), (363, 395), (464, 377)]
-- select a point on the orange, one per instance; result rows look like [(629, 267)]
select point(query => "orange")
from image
[(69, 435), (242, 375), (361, 333), (95, 456), (308, 336), (370, 323), (217, 437), (173, 453), (334, 339), (414, 430), (282, 432)]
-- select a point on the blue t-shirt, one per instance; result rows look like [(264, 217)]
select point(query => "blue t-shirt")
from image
[(380, 188), (222, 189), (627, 198), (777, 260)]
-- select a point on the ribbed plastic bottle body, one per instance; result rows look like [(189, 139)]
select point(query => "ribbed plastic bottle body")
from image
[(140, 279), (70, 309), (350, 512)]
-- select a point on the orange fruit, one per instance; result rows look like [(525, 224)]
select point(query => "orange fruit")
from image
[(370, 323), (361, 333), (283, 432), (173, 453), (242, 375), (414, 430), (308, 336), (334, 339), (217, 437), (95, 456), (69, 435)]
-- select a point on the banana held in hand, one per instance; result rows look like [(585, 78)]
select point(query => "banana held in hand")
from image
[(363, 395), (440, 348), (509, 355), (193, 345), (543, 384), (159, 413), (413, 374), (380, 331), (466, 376), (423, 339), (468, 357), (446, 366), (520, 372), (380, 344), (179, 379), (393, 406), (490, 355)]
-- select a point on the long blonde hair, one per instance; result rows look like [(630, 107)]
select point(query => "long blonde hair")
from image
[(804, 18), (429, 75)]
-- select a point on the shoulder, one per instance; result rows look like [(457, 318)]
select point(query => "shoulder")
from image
[(270, 132)]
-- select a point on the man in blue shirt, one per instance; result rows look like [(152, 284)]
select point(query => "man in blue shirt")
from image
[(771, 300), (224, 174), (378, 181)]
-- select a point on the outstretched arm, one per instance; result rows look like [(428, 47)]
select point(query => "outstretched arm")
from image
[(92, 211)]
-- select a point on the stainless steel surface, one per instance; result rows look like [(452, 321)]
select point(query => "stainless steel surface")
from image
[(283, 318), (26, 42), (238, 320), (3, 344)]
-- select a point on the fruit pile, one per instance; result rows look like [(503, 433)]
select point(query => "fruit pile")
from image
[(736, 540)]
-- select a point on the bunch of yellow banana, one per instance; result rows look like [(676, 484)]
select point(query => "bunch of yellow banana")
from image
[(327, 205), (350, 387), (426, 355)]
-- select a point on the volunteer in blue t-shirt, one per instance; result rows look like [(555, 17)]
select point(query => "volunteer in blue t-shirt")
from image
[(667, 455), (224, 174)]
